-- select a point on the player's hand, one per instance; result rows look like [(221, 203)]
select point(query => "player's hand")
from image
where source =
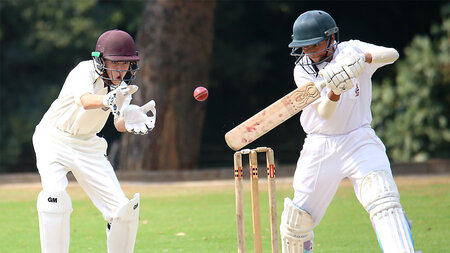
[(136, 119), (115, 99), (351, 61), (337, 78)]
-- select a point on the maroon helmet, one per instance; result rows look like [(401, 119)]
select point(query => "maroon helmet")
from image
[(115, 45)]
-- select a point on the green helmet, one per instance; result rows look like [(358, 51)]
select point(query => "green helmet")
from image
[(312, 27)]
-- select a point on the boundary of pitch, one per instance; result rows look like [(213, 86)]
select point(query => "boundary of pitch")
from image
[(431, 167)]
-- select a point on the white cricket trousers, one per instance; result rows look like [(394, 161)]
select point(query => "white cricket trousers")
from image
[(326, 160), (85, 156)]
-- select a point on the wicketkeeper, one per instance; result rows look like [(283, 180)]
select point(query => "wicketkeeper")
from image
[(340, 142), (66, 140)]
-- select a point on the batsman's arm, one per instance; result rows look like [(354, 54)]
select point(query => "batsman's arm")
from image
[(328, 105), (273, 115), (377, 55), (382, 55)]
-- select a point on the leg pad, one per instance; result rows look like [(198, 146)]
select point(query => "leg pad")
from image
[(54, 210), (296, 229), (380, 197), (121, 233)]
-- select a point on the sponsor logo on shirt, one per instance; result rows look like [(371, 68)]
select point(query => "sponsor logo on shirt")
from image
[(356, 90)]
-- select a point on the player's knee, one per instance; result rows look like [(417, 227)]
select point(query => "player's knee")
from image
[(378, 192), (296, 228), (54, 202), (110, 210), (128, 211)]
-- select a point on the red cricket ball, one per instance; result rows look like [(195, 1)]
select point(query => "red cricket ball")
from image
[(200, 93)]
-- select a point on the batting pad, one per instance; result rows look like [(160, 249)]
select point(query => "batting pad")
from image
[(393, 231), (296, 229), (380, 197), (379, 192), (54, 210), (121, 237)]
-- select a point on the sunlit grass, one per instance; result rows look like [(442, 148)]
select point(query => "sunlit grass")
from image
[(191, 217)]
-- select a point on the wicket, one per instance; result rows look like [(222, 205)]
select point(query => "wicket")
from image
[(238, 178)]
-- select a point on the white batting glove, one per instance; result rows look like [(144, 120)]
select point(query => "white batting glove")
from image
[(337, 78), (115, 99), (351, 61), (136, 119)]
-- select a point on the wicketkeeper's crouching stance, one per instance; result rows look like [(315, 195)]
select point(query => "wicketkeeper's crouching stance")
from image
[(340, 142), (66, 140)]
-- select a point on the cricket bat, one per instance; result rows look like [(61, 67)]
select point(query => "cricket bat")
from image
[(273, 115)]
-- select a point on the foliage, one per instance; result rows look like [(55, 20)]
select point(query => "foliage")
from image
[(412, 114), (41, 42)]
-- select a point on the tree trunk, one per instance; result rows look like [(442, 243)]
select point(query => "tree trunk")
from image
[(174, 43)]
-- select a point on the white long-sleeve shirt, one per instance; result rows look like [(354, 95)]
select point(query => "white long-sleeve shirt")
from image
[(353, 109), (67, 114)]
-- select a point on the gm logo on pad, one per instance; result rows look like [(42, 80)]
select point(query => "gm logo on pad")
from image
[(52, 200)]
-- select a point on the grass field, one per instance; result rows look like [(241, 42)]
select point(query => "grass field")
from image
[(200, 217)]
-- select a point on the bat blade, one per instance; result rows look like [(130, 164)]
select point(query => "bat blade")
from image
[(272, 116)]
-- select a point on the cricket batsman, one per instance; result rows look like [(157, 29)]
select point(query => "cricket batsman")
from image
[(340, 142), (66, 140)]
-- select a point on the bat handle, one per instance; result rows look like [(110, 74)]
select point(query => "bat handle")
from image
[(320, 85)]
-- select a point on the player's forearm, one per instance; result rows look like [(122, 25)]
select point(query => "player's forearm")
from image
[(382, 55), (119, 123), (91, 101), (328, 105)]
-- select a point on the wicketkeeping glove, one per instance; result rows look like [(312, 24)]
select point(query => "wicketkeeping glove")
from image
[(115, 99), (136, 119)]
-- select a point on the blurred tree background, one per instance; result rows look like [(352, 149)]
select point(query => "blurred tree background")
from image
[(42, 40), (412, 110), (171, 66)]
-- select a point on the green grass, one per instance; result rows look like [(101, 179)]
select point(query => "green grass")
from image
[(201, 218)]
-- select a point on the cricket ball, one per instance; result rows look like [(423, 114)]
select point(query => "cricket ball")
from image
[(200, 93)]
